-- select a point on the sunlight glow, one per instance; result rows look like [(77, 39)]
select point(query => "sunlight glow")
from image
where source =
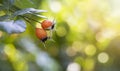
[(90, 50), (55, 6), (61, 31), (70, 51), (74, 67), (103, 57)]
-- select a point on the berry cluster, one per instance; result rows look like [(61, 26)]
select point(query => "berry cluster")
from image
[(41, 32)]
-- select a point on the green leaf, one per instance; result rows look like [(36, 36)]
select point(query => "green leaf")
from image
[(12, 26), (1, 8), (27, 3), (4, 17), (27, 11), (40, 16), (8, 3)]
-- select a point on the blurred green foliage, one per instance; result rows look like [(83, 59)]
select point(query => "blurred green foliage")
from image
[(86, 38)]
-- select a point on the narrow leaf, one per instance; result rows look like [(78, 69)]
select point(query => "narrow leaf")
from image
[(8, 3), (13, 26), (4, 17), (27, 11), (1, 8), (41, 16)]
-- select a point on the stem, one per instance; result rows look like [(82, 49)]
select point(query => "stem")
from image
[(32, 19), (29, 22)]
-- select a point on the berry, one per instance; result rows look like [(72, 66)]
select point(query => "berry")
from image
[(47, 25), (41, 34)]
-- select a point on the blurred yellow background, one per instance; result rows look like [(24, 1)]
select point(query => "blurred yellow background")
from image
[(86, 38)]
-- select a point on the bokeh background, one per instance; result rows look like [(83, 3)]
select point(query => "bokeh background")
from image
[(86, 38)]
